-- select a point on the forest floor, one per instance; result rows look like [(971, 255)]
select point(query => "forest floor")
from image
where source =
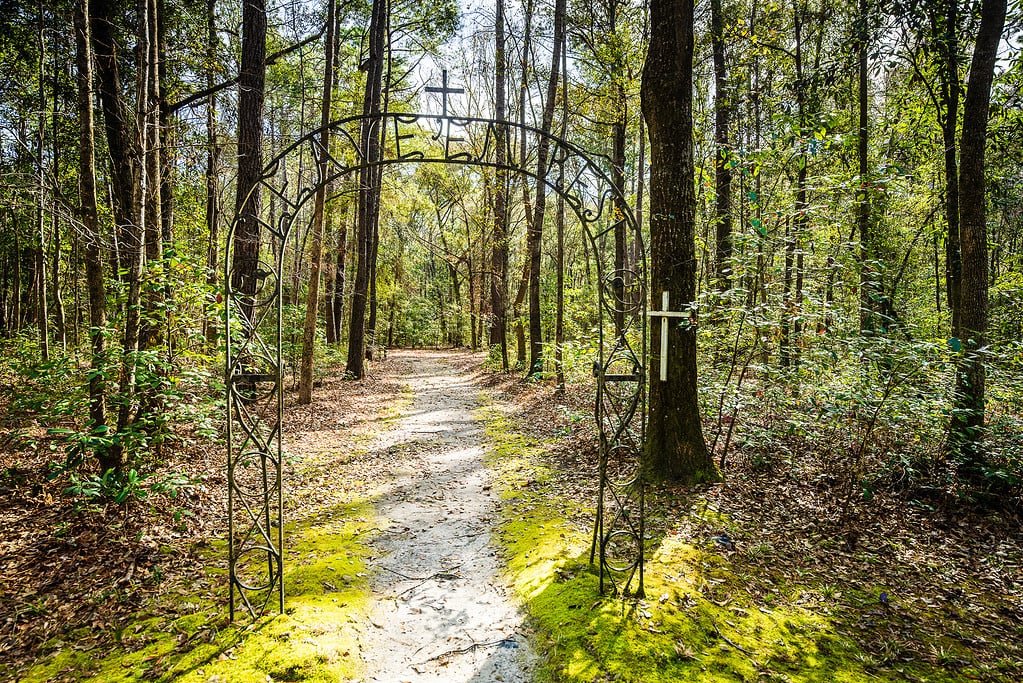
[(418, 495)]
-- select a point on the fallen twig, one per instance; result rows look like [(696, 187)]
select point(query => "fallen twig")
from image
[(471, 648), (732, 643), (442, 574)]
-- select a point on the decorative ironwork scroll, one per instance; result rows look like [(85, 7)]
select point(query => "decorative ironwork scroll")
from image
[(255, 405), (620, 411), (255, 366)]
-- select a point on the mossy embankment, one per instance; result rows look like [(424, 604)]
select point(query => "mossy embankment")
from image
[(183, 634), (712, 611), (173, 623)]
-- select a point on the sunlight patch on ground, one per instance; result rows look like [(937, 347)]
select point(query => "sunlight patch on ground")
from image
[(702, 620), (326, 588)]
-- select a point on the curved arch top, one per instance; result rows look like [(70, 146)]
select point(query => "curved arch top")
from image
[(466, 141)]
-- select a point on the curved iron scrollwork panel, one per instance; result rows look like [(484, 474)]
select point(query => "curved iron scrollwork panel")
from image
[(254, 366), (255, 408), (620, 411)]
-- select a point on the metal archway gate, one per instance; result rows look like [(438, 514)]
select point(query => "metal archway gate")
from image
[(254, 367)]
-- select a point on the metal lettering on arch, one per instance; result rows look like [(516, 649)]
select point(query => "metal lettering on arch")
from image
[(254, 365)]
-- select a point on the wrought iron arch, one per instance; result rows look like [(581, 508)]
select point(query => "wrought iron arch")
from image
[(254, 366)]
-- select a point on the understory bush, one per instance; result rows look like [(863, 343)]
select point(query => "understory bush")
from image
[(185, 397), (869, 412)]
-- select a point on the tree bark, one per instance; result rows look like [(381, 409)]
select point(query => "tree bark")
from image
[(559, 302), (947, 30), (618, 129), (312, 304), (722, 142), (535, 235), (16, 278), (369, 190), (330, 324), (791, 328), (251, 95), (42, 315), (134, 237), (165, 137), (675, 446), (122, 145), (618, 180), (151, 329), (867, 276), (338, 302), (499, 253), (59, 314), (967, 424), (374, 250), (212, 171), (518, 320), (90, 222)]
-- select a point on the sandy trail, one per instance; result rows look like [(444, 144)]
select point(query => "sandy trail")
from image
[(443, 612)]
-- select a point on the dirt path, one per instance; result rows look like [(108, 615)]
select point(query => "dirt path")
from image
[(443, 612)]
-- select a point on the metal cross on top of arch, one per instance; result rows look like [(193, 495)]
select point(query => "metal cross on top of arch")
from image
[(255, 367)]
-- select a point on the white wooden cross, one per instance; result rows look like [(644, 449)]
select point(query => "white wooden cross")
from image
[(664, 315)]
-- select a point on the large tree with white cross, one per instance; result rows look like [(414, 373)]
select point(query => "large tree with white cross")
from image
[(675, 449)]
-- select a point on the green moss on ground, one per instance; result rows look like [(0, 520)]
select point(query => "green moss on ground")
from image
[(184, 638), (184, 634), (705, 617)]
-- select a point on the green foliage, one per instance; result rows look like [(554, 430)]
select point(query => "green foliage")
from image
[(874, 408), (52, 390), (120, 487), (54, 393)]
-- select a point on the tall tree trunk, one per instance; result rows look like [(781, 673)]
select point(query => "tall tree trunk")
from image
[(618, 180), (559, 266), (535, 236), (56, 295), (525, 66), (675, 446), (338, 302), (374, 251), (722, 142), (330, 325), (790, 324), (251, 95), (16, 278), (42, 314), (122, 147), (165, 137), (470, 264), (947, 30), (867, 275), (60, 315), (134, 235), (390, 319), (618, 128), (499, 254), (90, 222), (212, 173), (312, 304), (785, 341), (152, 328), (757, 282), (967, 426), (517, 319), (369, 191)]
